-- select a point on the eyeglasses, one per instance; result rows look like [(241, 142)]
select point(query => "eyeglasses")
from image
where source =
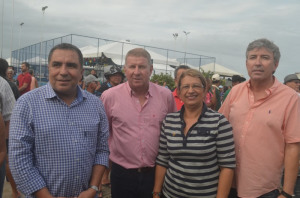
[(196, 87)]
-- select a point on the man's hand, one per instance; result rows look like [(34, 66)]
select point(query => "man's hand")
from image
[(89, 193)]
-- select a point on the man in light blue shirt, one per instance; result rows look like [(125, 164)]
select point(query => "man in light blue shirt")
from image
[(58, 135)]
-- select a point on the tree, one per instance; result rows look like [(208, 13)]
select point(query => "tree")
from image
[(161, 78)]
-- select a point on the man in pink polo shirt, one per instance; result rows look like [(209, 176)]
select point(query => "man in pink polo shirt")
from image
[(265, 116), (135, 111)]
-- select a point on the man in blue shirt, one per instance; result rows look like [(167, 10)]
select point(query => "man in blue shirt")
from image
[(58, 135)]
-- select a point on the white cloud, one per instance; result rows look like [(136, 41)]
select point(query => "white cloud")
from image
[(218, 28)]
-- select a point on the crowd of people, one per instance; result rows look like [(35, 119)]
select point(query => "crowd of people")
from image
[(74, 135)]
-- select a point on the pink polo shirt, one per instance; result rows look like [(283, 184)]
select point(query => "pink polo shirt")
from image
[(260, 131), (135, 129)]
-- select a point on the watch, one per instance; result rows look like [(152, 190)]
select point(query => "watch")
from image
[(286, 194), (95, 188)]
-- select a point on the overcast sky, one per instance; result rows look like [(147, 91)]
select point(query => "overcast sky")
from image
[(218, 28)]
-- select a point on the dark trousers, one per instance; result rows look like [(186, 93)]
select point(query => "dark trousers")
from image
[(272, 194), (2, 177), (131, 183)]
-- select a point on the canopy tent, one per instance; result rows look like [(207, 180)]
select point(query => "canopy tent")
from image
[(116, 51), (219, 69), (11, 60)]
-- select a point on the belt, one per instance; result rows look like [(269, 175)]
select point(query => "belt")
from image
[(143, 169), (139, 170)]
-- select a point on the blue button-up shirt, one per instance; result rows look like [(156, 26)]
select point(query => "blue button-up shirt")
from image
[(54, 145)]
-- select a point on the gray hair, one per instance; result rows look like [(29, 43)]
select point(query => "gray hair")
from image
[(11, 70), (67, 46), (264, 43), (139, 52)]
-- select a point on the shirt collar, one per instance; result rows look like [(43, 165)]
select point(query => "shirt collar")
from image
[(131, 92), (108, 84), (50, 93), (269, 90), (204, 109), (175, 93)]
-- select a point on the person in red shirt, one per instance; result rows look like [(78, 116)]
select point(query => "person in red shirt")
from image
[(24, 79), (177, 73)]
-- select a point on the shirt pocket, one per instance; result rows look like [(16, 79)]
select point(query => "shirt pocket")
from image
[(90, 137), (206, 135)]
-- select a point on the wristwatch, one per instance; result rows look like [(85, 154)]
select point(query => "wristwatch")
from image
[(95, 188), (286, 194)]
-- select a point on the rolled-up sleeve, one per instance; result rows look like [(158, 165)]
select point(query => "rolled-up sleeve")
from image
[(102, 150)]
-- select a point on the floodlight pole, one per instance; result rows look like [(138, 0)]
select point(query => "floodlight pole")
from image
[(41, 45), (1, 44), (21, 24), (12, 31), (186, 37)]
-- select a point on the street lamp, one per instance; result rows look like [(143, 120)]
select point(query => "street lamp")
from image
[(186, 37), (40, 57), (21, 24)]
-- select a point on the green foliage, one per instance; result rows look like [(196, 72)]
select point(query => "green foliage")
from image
[(161, 78), (207, 74)]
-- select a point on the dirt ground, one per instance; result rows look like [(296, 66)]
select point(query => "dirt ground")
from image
[(7, 191)]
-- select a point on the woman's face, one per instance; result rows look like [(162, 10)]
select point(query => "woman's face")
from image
[(191, 91)]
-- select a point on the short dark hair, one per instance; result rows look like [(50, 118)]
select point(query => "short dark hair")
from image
[(67, 46), (26, 64), (178, 68), (3, 67)]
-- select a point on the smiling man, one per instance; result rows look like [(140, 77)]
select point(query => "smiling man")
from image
[(135, 111), (265, 117), (58, 135)]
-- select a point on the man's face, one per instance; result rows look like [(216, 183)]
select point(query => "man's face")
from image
[(93, 85), (24, 68), (294, 84), (260, 64), (93, 72), (10, 75), (138, 71), (179, 72), (65, 71), (115, 79)]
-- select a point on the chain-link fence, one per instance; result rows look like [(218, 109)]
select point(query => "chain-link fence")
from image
[(100, 53)]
